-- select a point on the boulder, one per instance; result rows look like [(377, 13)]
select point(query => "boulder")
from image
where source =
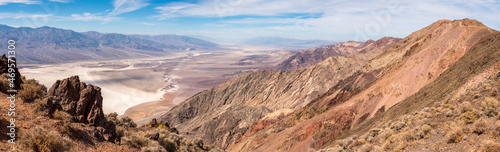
[(83, 102)]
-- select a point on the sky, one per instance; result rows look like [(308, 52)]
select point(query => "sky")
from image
[(234, 21)]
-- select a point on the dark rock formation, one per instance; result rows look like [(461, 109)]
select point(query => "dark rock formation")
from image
[(4, 68), (83, 102)]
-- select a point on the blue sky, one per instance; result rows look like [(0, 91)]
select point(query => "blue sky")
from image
[(238, 20)]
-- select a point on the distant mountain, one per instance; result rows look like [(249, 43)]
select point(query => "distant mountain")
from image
[(53, 45), (179, 42), (287, 43), (312, 56)]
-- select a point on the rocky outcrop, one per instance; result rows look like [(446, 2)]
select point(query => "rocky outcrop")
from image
[(83, 102), (4, 69)]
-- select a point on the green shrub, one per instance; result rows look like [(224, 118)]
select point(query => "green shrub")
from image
[(39, 139)]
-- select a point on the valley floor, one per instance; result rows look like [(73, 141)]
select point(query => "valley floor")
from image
[(148, 87)]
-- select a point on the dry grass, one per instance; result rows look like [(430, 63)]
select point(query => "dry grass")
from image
[(39, 139), (454, 134), (125, 122), (468, 117), (65, 123), (480, 126), (32, 90), (136, 140), (490, 106)]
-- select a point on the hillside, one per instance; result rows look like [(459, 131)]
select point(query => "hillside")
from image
[(53, 45), (400, 72), (250, 97)]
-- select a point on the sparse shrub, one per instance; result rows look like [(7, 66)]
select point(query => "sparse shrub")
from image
[(153, 147), (395, 142), (495, 132), (469, 117), (357, 143), (366, 148), (64, 116), (39, 139), (398, 125), (344, 143), (448, 112), (136, 140), (65, 123), (4, 82), (491, 146), (32, 90), (426, 131), (120, 132), (455, 134), (466, 107), (480, 126), (167, 143), (124, 121), (490, 106)]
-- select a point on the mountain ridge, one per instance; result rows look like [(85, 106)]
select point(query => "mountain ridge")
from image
[(54, 45)]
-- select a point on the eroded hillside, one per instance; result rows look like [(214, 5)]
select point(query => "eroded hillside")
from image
[(400, 72), (222, 114)]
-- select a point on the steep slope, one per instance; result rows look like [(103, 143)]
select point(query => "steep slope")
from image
[(469, 87), (222, 114), (400, 72), (308, 57)]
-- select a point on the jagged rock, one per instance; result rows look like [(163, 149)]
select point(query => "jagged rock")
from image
[(4, 68), (153, 123), (83, 102)]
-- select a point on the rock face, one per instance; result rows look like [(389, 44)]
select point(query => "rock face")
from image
[(4, 68), (223, 114), (83, 102)]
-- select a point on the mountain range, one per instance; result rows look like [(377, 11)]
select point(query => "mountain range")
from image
[(53, 45), (287, 43)]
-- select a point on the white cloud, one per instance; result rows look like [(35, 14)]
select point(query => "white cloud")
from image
[(124, 6), (4, 2), (332, 19), (92, 17), (60, 1)]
